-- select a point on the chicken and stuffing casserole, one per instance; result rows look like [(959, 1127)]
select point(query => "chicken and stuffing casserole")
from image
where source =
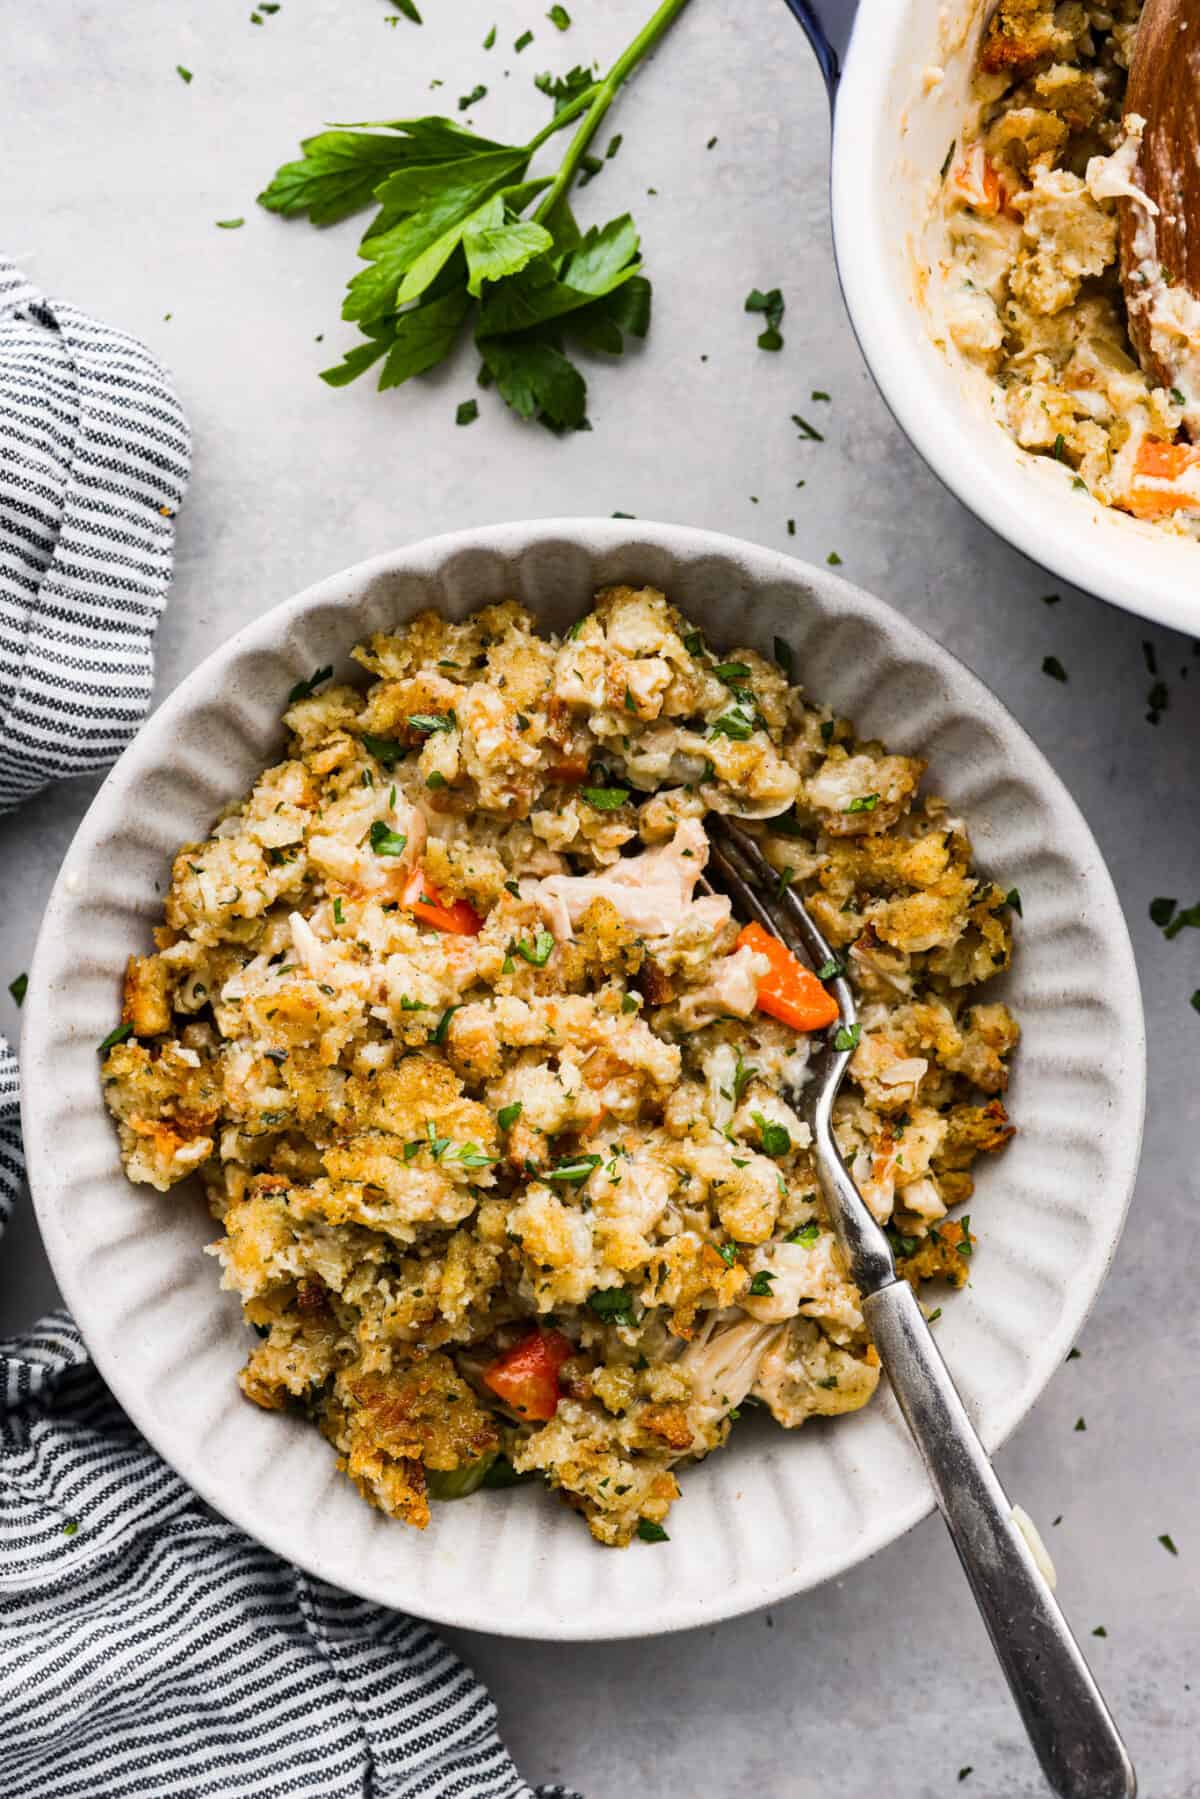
[(1031, 288), (488, 1092)]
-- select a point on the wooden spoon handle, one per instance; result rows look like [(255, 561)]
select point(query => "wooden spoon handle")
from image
[(1164, 90)]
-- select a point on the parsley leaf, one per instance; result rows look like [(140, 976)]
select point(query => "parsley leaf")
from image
[(385, 841), (537, 950), (449, 236), (429, 722), (564, 89), (771, 304), (507, 1116), (1188, 917), (19, 988), (387, 750), (760, 1285), (738, 724), (605, 799), (613, 1304), (866, 802), (805, 1234), (304, 690), (776, 1139), (438, 1034), (466, 412), (338, 172), (497, 245), (574, 1171), (118, 1035), (847, 1036), (649, 1532)]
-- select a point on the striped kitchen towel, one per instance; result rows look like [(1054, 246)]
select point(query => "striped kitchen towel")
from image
[(146, 1646)]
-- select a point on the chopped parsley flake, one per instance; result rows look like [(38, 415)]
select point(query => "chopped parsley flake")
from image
[(613, 1304), (771, 305), (866, 802), (507, 1116), (605, 799), (807, 430), (649, 1532), (760, 1286), (537, 950), (805, 1234), (466, 412), (775, 1138), (560, 17), (1053, 667), (847, 1036), (19, 988), (573, 1172), (738, 724), (386, 842), (429, 722), (1168, 1544), (1188, 918), (438, 1034), (304, 690), (115, 1036), (476, 93)]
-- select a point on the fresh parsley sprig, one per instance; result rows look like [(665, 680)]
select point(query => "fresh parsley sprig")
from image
[(450, 241)]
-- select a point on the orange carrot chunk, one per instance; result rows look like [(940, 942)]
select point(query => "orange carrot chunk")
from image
[(459, 917), (1158, 461), (788, 991), (525, 1377)]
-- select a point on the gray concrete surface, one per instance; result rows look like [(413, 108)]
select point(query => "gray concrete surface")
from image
[(115, 171)]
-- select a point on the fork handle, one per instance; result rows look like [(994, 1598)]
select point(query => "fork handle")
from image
[(1069, 1725)]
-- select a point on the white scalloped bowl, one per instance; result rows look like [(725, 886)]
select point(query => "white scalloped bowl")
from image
[(775, 1512)]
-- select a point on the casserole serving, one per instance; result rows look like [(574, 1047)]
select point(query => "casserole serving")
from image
[(774, 1512)]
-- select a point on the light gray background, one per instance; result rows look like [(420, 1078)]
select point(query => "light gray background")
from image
[(114, 174)]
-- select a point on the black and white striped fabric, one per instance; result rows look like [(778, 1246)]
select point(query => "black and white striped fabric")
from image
[(94, 458), (147, 1647)]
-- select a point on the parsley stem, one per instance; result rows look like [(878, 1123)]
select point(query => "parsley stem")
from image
[(602, 97), (571, 111)]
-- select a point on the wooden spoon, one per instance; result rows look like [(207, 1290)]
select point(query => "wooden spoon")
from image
[(1160, 242)]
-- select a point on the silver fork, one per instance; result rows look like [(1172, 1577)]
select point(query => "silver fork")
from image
[(1069, 1725)]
